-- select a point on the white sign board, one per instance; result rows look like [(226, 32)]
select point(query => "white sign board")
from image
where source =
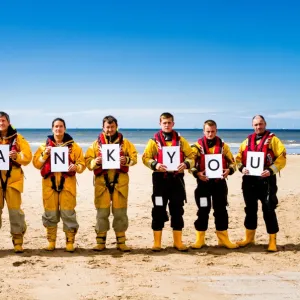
[(59, 159), (4, 157), (110, 156), (171, 157), (255, 163), (213, 165)]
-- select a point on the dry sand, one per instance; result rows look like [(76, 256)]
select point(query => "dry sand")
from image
[(209, 273)]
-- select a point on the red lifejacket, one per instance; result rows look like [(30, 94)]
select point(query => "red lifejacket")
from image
[(102, 140), (160, 141), (262, 146), (200, 164), (46, 169)]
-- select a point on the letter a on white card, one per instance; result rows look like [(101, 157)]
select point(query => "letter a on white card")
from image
[(59, 159), (213, 165), (255, 163), (110, 156), (4, 157), (171, 157)]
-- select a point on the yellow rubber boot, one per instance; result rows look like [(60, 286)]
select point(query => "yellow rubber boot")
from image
[(51, 237), (249, 239), (177, 237), (272, 243), (157, 241), (223, 240), (70, 239), (101, 241), (17, 240), (121, 242), (200, 240)]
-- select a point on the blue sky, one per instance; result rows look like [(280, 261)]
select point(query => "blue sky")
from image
[(82, 60)]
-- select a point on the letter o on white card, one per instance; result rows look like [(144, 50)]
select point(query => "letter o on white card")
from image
[(213, 165)]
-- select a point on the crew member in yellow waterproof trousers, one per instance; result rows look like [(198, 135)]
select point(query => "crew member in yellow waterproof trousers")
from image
[(111, 185), (11, 181), (59, 188)]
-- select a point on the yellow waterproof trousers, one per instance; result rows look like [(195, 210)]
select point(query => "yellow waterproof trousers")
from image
[(60, 205), (118, 204), (16, 215)]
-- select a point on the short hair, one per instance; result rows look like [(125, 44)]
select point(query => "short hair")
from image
[(60, 120), (209, 123), (259, 116), (109, 119), (4, 114), (166, 115)]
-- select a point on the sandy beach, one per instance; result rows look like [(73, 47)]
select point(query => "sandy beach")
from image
[(209, 273)]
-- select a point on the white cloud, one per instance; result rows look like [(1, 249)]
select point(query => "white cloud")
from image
[(294, 114)]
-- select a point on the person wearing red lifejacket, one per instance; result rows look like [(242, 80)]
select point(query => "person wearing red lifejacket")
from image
[(212, 192), (59, 188), (12, 180), (111, 185), (263, 187), (168, 186)]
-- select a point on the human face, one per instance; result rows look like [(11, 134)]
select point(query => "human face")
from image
[(58, 129), (166, 124), (259, 125), (110, 129), (210, 131), (3, 124)]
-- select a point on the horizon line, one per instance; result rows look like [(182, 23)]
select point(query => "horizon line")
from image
[(149, 128)]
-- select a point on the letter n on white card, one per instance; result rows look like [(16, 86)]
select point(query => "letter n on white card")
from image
[(110, 156), (4, 157), (213, 165), (59, 159), (255, 163), (171, 157)]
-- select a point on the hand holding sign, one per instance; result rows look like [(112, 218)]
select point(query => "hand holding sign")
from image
[(181, 167), (161, 168), (123, 160), (265, 173), (98, 160), (13, 154), (202, 176), (225, 173)]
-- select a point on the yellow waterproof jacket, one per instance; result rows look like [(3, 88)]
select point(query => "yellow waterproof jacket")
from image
[(76, 155), (151, 152), (197, 149), (16, 179), (100, 184), (275, 145)]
